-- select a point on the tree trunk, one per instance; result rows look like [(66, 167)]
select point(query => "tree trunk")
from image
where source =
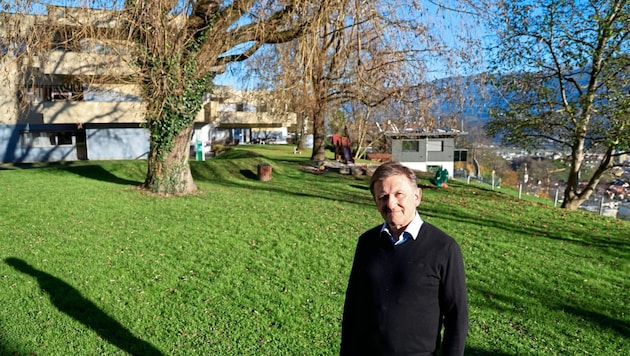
[(169, 173), (571, 200), (361, 129), (319, 137), (301, 144)]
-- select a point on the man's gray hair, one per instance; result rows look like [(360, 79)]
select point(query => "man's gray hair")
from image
[(389, 169)]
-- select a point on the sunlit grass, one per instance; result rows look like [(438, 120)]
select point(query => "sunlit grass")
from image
[(93, 265)]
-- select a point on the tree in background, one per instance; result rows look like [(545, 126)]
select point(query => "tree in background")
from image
[(314, 68), (275, 70), (372, 63), (568, 82), (179, 60)]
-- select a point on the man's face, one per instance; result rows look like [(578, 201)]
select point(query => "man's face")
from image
[(397, 199)]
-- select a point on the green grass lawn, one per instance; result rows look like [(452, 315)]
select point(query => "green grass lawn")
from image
[(89, 264)]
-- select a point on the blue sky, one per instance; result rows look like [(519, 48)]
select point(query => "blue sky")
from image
[(451, 25)]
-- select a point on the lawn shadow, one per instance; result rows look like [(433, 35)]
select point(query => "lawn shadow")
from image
[(70, 301), (249, 174), (475, 351), (461, 215), (605, 322), (5, 348), (97, 172), (361, 187), (91, 171), (504, 303), (355, 195)]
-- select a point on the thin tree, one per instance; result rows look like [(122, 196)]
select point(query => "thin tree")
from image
[(567, 83)]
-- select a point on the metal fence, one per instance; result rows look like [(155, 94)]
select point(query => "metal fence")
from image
[(598, 203)]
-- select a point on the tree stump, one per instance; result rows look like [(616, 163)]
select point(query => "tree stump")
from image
[(264, 172)]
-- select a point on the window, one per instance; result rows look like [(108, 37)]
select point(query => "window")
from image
[(460, 155), (45, 139), (57, 95), (64, 138), (11, 48), (226, 107), (435, 146), (411, 146), (52, 88), (34, 95), (107, 94), (37, 139), (240, 107), (70, 91)]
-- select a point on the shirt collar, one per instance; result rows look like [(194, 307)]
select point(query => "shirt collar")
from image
[(411, 230)]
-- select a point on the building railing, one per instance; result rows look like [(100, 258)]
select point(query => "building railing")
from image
[(81, 63), (69, 112)]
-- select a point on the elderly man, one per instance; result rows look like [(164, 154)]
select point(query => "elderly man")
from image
[(407, 281)]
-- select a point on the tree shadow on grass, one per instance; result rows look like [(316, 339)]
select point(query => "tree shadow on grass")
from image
[(474, 351), (5, 347), (605, 322), (338, 192), (519, 226), (507, 303), (91, 171), (249, 174), (70, 301), (97, 172)]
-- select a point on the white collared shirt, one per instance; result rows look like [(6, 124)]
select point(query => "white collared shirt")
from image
[(411, 230)]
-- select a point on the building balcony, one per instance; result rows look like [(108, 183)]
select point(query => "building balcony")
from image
[(253, 119), (80, 63), (92, 112)]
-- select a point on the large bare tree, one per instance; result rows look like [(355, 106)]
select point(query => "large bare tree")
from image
[(176, 47), (564, 76), (178, 66), (375, 59)]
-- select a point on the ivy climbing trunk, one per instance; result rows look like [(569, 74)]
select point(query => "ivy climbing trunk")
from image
[(169, 172)]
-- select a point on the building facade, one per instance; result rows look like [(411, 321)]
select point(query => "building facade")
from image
[(425, 151), (244, 116), (78, 100), (51, 108)]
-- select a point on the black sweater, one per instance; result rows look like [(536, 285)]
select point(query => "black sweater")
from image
[(399, 297)]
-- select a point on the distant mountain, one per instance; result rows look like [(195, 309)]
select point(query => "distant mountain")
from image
[(465, 97), (471, 98)]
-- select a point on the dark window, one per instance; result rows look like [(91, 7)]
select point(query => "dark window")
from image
[(460, 155), (64, 138)]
